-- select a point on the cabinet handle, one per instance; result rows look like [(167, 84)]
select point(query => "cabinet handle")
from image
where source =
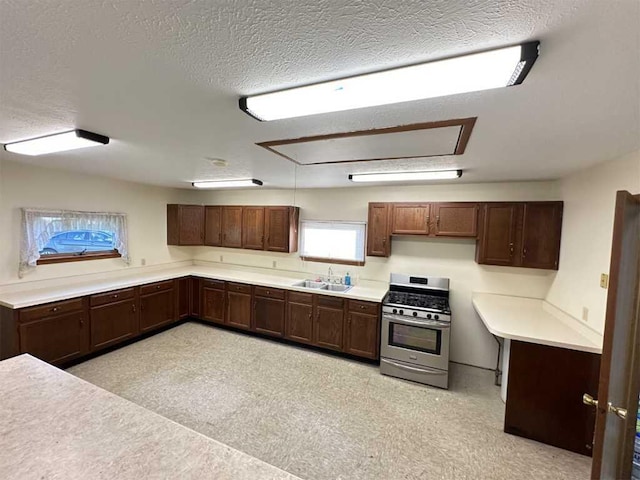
[(310, 316), (114, 296), (438, 221), (511, 249), (133, 308), (82, 322), (524, 252), (55, 309)]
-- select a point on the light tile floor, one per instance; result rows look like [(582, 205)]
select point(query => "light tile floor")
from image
[(324, 417)]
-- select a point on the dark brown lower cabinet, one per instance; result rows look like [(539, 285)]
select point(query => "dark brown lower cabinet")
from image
[(544, 395), (213, 302), (55, 339), (184, 297), (362, 334), (239, 306), (113, 323), (196, 295), (299, 323), (328, 322), (157, 310), (269, 311)]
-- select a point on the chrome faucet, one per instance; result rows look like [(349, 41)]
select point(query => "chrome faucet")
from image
[(330, 273)]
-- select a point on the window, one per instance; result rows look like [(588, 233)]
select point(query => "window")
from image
[(54, 236), (333, 242)]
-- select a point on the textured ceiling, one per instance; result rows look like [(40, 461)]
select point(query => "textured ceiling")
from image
[(162, 79)]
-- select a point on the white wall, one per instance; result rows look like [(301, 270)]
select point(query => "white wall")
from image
[(452, 258), (587, 229), (29, 186)]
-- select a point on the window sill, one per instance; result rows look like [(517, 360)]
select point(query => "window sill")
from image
[(62, 258), (355, 263)]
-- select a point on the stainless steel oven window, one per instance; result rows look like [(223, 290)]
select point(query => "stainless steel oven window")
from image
[(426, 340)]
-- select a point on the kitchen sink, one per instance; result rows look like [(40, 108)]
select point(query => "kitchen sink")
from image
[(316, 285)]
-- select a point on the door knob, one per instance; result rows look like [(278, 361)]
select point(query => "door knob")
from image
[(620, 412), (588, 400)]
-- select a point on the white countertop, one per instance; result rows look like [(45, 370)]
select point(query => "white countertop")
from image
[(55, 425), (65, 289), (530, 320)]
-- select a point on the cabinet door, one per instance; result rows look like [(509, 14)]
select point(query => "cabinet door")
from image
[(410, 218), (280, 234), (299, 325), (239, 310), (55, 339), (541, 229), (185, 224), (378, 239), (196, 293), (184, 297), (213, 226), (269, 316), (497, 243), (328, 326), (213, 303), (361, 335), (253, 228), (113, 323), (456, 219), (232, 227), (157, 310)]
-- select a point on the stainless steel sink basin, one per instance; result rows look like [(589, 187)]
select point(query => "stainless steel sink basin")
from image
[(315, 285), (311, 284), (337, 287)]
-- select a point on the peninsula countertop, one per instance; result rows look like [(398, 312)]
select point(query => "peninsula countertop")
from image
[(527, 320), (71, 288), (55, 425)]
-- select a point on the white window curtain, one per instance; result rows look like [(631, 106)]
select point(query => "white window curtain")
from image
[(39, 225)]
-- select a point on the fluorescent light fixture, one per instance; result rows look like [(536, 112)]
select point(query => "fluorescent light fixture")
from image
[(503, 67), (248, 182), (58, 142), (405, 176)]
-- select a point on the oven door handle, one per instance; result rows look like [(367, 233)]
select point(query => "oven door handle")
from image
[(401, 366), (421, 323)]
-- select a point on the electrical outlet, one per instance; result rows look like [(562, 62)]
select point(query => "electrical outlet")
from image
[(585, 314), (143, 261), (604, 280), (221, 259), (274, 264)]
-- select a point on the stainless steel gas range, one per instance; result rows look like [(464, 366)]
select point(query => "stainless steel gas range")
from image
[(416, 328)]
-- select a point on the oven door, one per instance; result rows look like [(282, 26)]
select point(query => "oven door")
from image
[(417, 341)]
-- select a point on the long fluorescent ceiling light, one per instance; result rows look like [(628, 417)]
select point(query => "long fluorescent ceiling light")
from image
[(249, 182), (58, 142), (405, 176), (503, 67)]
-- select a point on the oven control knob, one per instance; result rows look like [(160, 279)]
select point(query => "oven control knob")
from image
[(415, 314), (401, 312), (395, 310), (428, 316), (436, 317)]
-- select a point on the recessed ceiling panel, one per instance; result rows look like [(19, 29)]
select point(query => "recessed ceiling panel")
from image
[(406, 141)]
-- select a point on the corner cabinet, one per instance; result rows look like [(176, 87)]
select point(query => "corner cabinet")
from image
[(185, 224), (520, 234)]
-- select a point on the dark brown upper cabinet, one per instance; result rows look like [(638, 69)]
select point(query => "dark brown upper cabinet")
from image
[(185, 224), (520, 234), (378, 238), (213, 226), (410, 218), (253, 228), (459, 219), (281, 229), (232, 227)]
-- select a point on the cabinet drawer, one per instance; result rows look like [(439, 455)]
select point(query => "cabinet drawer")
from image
[(333, 302), (111, 297), (217, 284), (156, 287), (269, 292), (50, 309), (239, 287), (297, 297), (363, 307)]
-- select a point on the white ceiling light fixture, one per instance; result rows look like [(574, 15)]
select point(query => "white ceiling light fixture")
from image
[(503, 67), (57, 142), (247, 182), (406, 176)]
